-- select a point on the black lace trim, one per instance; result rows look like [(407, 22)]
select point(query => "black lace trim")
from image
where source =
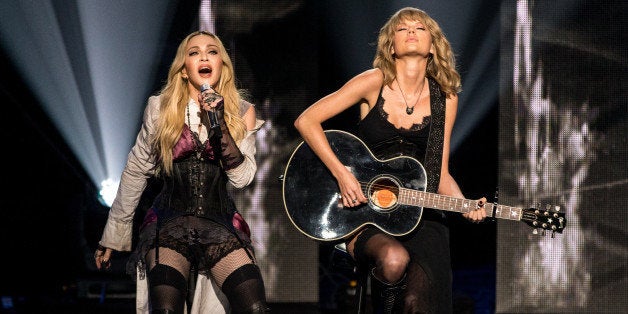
[(415, 127)]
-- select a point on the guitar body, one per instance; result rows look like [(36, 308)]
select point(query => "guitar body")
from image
[(312, 197)]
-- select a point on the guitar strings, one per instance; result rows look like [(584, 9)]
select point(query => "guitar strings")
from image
[(364, 188)]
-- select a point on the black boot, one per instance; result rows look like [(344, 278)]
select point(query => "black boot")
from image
[(387, 298)]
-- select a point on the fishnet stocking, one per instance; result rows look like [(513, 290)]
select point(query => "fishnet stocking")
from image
[(228, 264)]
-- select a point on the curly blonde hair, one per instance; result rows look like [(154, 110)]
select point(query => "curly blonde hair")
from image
[(175, 97), (441, 65)]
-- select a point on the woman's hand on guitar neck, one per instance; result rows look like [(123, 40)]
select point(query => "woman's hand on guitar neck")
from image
[(478, 214)]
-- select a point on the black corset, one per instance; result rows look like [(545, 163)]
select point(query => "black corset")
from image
[(196, 187)]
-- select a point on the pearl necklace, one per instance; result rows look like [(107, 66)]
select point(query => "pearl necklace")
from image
[(410, 110), (201, 132)]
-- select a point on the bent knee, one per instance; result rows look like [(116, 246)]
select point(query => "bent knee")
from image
[(393, 265)]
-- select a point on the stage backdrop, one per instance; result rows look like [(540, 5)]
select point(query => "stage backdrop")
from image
[(563, 128), (275, 55)]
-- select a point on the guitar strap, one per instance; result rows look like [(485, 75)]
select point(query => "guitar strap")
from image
[(434, 152)]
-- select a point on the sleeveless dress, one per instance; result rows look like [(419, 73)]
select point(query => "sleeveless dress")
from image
[(428, 244)]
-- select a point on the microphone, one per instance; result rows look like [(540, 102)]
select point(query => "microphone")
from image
[(209, 97)]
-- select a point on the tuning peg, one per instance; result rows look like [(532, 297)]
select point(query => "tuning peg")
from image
[(543, 232), (535, 231), (553, 233), (557, 208)]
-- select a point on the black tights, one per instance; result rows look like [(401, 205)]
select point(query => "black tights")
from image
[(391, 263), (238, 278), (418, 292), (388, 259), (383, 252)]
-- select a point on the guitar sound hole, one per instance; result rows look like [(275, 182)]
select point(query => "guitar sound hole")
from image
[(383, 193)]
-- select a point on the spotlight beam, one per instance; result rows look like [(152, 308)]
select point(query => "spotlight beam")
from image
[(72, 32), (91, 66), (32, 39)]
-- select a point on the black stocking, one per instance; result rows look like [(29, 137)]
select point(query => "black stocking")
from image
[(388, 278), (418, 291), (383, 251), (241, 281), (167, 281), (245, 290)]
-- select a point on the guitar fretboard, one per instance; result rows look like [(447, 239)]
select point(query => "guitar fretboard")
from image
[(460, 205)]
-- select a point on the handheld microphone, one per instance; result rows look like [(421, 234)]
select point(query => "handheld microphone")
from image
[(208, 98)]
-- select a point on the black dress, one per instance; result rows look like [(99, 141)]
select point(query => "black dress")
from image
[(428, 244)]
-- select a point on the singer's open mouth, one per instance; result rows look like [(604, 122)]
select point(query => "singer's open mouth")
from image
[(205, 72)]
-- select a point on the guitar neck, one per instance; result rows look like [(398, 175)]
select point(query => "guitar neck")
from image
[(452, 204)]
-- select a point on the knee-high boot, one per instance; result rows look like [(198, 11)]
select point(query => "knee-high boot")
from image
[(387, 298)]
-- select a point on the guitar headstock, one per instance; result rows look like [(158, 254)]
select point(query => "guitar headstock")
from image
[(549, 218)]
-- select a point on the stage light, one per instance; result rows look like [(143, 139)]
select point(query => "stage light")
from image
[(107, 193), (91, 65)]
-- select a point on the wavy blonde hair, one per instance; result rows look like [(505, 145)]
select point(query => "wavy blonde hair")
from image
[(441, 65), (175, 97)]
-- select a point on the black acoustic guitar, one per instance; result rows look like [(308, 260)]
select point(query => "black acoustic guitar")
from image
[(395, 189)]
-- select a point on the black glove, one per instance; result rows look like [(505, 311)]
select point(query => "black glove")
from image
[(229, 153)]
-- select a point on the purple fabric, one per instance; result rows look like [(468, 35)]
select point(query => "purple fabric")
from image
[(186, 145), (150, 218), (240, 224)]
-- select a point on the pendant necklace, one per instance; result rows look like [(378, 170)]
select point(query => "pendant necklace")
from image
[(410, 110)]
